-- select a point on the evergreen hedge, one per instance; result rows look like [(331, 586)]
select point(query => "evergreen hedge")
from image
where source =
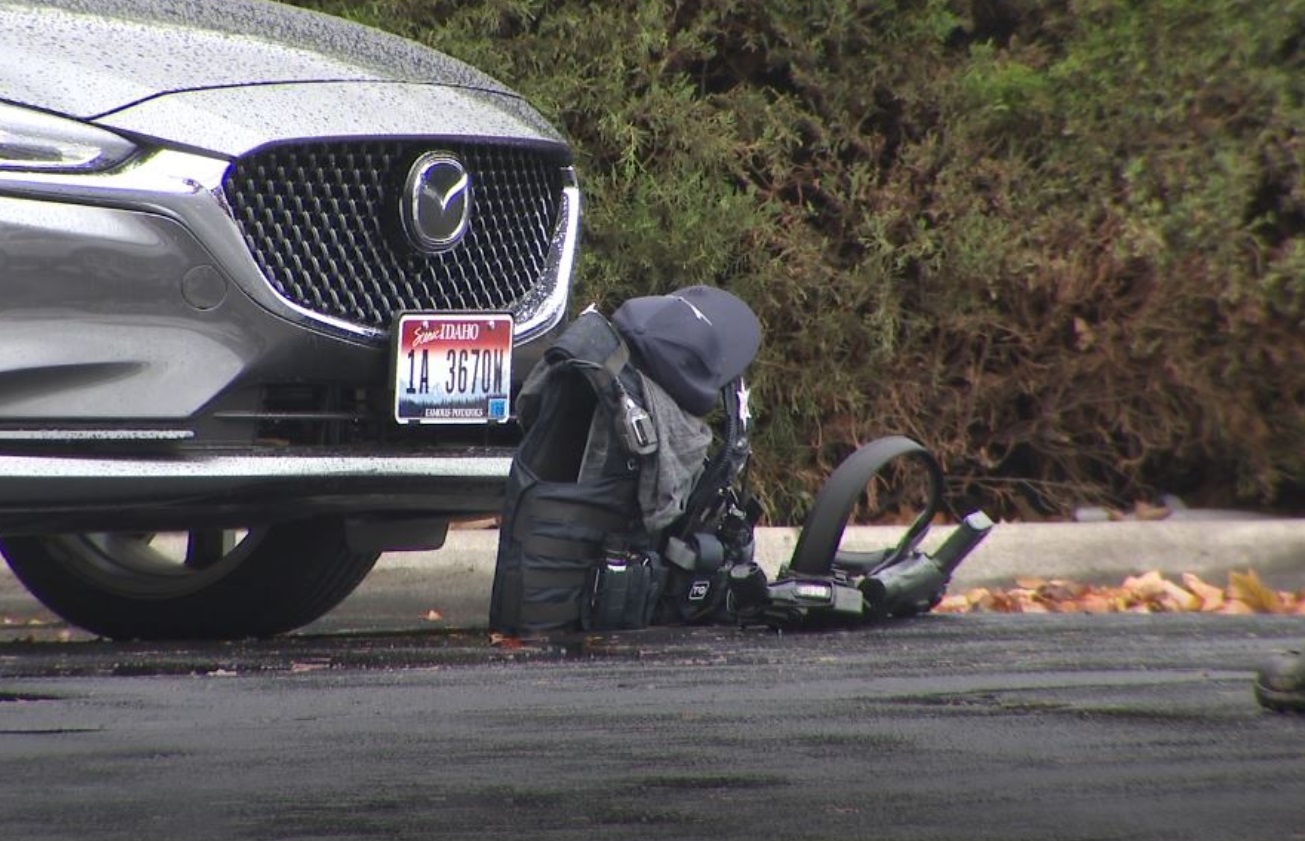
[(1060, 242)]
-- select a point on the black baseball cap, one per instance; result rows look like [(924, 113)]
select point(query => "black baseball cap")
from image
[(691, 342)]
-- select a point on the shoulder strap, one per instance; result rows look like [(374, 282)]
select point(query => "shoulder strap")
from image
[(591, 343), (725, 466), (592, 347), (817, 544)]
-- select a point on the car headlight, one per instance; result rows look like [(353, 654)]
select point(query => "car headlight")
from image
[(34, 140)]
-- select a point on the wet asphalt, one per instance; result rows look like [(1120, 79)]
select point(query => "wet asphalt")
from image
[(942, 727)]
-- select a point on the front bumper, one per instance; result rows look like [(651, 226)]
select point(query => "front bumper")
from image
[(183, 491)]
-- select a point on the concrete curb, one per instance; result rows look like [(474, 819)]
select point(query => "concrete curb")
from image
[(1090, 552), (453, 583), (459, 575)]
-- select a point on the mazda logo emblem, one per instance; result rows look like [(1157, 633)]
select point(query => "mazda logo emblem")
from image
[(436, 202)]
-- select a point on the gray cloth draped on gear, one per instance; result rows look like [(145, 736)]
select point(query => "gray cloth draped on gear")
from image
[(682, 443)]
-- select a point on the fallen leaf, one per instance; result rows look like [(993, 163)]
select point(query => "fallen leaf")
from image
[(1060, 591), (958, 603), (1003, 602), (1027, 602), (1247, 587), (434, 616), (1177, 600), (1211, 597), (1098, 603), (1146, 586), (1148, 592)]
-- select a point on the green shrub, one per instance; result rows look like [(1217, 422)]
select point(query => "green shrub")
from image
[(1060, 243)]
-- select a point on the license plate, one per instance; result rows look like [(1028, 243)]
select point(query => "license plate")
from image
[(452, 367)]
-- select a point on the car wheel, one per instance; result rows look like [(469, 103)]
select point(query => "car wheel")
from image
[(209, 584)]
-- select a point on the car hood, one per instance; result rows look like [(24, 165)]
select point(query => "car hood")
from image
[(233, 121), (89, 58)]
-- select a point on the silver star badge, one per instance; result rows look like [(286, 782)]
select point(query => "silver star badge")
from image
[(745, 413)]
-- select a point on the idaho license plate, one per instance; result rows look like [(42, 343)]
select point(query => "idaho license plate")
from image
[(452, 367)]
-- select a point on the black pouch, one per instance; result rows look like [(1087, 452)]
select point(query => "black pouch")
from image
[(623, 591)]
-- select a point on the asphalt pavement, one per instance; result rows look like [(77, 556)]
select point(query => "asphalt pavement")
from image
[(378, 721), (990, 727)]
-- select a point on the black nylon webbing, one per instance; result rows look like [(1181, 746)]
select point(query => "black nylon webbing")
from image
[(559, 547), (552, 579), (568, 513), (549, 613)]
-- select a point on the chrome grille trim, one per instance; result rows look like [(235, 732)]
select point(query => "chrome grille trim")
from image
[(321, 220)]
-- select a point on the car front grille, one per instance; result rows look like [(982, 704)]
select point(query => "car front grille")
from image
[(322, 221)]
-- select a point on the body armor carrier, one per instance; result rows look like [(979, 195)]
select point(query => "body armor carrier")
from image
[(572, 496)]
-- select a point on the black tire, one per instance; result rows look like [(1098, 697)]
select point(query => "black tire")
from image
[(129, 586)]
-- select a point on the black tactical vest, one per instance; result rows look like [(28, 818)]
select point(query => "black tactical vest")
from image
[(562, 512)]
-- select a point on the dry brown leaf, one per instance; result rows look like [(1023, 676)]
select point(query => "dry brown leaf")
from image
[(1247, 587), (1004, 602), (1027, 602), (504, 641), (1149, 592), (1177, 600), (1211, 597), (1061, 591), (1099, 603), (958, 603), (1146, 586)]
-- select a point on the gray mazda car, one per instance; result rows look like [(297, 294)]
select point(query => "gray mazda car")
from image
[(269, 282)]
